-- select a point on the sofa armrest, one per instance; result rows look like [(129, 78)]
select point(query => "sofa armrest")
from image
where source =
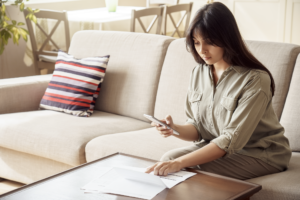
[(22, 94)]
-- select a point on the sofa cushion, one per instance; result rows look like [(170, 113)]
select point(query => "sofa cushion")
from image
[(58, 136), (147, 143), (280, 59), (290, 116), (179, 63), (75, 84), (133, 70), (279, 186)]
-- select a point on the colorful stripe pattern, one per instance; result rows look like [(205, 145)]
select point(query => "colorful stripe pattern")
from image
[(75, 84)]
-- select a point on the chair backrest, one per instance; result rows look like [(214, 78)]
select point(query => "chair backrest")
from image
[(157, 11), (178, 8), (162, 2), (47, 14)]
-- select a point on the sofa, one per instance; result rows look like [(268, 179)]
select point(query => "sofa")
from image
[(146, 74)]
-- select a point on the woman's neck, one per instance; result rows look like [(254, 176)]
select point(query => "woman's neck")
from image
[(221, 65)]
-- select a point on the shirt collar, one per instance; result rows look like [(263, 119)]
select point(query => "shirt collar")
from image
[(238, 69)]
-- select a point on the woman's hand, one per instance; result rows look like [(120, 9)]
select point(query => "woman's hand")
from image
[(162, 129), (164, 168)]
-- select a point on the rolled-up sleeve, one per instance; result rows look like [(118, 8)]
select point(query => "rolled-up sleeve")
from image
[(245, 118)]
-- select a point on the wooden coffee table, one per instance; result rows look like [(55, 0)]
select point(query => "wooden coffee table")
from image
[(66, 185)]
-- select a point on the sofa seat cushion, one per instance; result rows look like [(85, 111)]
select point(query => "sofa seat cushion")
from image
[(284, 185), (58, 136), (147, 143)]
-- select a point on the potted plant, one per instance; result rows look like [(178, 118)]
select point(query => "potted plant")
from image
[(10, 28)]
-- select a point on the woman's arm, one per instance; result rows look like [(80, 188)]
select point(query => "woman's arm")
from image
[(206, 154)]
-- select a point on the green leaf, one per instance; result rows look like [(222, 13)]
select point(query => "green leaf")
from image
[(23, 34), (34, 19), (16, 35), (29, 16), (29, 9), (21, 24), (5, 24), (3, 8), (22, 6), (6, 18), (36, 10), (5, 35), (23, 29), (14, 22), (1, 46)]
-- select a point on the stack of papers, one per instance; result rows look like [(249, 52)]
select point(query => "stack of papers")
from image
[(134, 182)]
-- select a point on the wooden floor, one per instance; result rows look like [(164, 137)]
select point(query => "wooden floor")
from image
[(6, 186)]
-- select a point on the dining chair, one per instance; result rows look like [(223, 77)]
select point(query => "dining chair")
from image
[(44, 59), (177, 8), (162, 2), (137, 14)]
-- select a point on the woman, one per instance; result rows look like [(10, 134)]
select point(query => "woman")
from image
[(229, 106)]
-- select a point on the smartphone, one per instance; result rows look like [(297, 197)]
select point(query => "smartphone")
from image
[(153, 119)]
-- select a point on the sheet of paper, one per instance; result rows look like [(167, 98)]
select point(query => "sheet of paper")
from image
[(134, 182), (173, 179)]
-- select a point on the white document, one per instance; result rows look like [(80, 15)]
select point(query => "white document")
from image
[(134, 182)]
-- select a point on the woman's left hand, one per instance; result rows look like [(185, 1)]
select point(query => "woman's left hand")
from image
[(164, 168)]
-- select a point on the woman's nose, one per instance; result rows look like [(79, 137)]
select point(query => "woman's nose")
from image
[(201, 49)]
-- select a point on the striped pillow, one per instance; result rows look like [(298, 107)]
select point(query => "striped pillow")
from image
[(75, 84)]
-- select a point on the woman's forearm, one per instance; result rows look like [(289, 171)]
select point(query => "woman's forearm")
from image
[(206, 154), (187, 132)]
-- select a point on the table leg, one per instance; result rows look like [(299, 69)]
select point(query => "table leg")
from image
[(2, 179)]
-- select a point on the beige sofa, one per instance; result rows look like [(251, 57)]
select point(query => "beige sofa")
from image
[(146, 74)]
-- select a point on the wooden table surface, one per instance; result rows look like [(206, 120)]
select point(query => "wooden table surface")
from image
[(66, 185)]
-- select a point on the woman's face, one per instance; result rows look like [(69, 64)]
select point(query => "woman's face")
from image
[(210, 53)]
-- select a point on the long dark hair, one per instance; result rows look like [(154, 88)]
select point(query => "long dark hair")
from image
[(216, 23)]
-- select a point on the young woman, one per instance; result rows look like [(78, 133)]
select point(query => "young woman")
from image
[(229, 106)]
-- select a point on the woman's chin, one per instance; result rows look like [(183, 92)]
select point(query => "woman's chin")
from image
[(208, 62)]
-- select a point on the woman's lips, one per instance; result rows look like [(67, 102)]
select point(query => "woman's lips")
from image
[(206, 58)]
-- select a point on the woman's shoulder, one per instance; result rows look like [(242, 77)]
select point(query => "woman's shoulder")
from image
[(259, 80)]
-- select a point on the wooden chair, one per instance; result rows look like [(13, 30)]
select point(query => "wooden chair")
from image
[(46, 59), (157, 11), (162, 2), (178, 8)]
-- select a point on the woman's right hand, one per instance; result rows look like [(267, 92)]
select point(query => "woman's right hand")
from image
[(164, 131)]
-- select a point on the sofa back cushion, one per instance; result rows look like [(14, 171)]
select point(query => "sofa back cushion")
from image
[(290, 118), (174, 81), (130, 84), (279, 58)]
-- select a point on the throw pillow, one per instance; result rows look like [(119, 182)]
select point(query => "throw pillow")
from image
[(75, 84)]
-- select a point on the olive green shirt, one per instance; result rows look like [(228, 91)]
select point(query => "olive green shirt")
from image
[(237, 114)]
